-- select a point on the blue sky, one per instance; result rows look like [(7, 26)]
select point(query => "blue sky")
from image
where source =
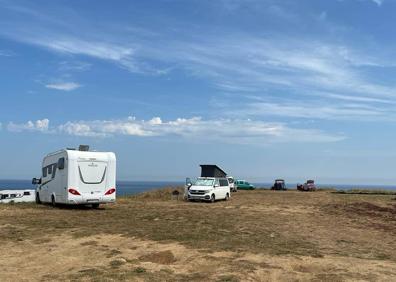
[(265, 89)]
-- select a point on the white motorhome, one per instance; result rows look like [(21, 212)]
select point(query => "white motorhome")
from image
[(77, 177), (16, 196)]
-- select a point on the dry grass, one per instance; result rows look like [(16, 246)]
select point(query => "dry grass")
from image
[(257, 235)]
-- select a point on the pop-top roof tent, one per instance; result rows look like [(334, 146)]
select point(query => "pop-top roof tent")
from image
[(212, 171)]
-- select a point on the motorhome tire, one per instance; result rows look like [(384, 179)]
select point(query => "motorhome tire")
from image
[(38, 201), (95, 206), (212, 199), (53, 203)]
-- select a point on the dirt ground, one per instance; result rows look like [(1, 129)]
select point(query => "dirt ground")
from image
[(256, 236)]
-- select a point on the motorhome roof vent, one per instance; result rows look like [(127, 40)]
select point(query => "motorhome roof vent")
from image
[(71, 149), (83, 148)]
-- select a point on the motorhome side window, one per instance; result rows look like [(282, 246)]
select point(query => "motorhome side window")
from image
[(217, 183), (44, 171), (50, 169), (61, 163), (223, 182), (54, 166)]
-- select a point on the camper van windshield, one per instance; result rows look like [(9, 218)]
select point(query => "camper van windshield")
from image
[(204, 182)]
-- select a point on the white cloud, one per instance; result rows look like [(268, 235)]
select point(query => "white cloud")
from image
[(5, 53), (96, 49), (38, 125), (64, 86), (272, 66), (258, 64), (74, 66), (199, 130), (195, 129), (348, 111), (378, 2), (121, 54)]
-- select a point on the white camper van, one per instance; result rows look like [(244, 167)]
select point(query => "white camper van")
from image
[(211, 186), (80, 176), (209, 189)]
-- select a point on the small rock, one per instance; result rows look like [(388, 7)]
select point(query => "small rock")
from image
[(123, 260)]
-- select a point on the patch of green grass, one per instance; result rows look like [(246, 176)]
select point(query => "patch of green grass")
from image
[(228, 278), (139, 270), (116, 263)]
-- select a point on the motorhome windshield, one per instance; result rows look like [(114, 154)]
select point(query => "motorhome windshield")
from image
[(204, 182)]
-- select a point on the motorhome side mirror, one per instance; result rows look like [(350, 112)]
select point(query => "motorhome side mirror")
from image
[(61, 163), (36, 181), (189, 184)]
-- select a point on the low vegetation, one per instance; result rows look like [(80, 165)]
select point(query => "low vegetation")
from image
[(257, 235)]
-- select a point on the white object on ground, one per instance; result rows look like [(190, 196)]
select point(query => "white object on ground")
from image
[(17, 196)]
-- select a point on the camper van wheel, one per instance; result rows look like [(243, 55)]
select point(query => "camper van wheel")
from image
[(38, 198), (95, 206), (212, 199), (53, 203), (227, 197)]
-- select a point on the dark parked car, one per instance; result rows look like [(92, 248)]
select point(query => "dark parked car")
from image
[(279, 184)]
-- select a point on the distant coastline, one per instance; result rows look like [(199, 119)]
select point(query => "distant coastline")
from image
[(135, 187)]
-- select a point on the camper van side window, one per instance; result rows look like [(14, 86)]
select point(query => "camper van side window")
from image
[(44, 171), (223, 182), (50, 169)]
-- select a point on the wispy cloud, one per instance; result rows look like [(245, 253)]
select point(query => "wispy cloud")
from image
[(195, 129), (6, 53), (311, 106), (347, 111), (38, 125), (66, 66), (63, 86), (378, 2), (271, 66)]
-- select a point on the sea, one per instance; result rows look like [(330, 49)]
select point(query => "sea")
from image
[(136, 187)]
